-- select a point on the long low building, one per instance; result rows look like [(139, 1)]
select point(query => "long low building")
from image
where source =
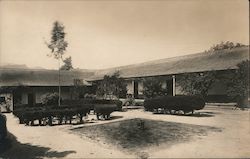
[(28, 85), (170, 69)]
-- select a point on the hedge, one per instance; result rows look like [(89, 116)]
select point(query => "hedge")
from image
[(28, 116), (93, 102), (175, 103), (104, 110), (67, 110)]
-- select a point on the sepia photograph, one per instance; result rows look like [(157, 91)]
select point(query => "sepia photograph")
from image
[(135, 79)]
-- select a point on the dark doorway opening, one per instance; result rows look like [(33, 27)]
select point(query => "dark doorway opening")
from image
[(135, 89), (170, 87)]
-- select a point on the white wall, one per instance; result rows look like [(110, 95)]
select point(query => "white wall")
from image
[(140, 88), (130, 87)]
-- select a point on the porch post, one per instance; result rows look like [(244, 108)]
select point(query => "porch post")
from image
[(173, 77), (133, 88)]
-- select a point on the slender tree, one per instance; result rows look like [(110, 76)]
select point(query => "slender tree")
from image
[(58, 47)]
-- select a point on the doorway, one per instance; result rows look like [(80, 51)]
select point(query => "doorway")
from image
[(135, 89), (170, 87)]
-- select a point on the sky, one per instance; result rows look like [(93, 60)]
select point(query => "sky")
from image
[(108, 33)]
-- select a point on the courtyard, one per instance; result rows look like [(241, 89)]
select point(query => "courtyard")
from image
[(211, 132)]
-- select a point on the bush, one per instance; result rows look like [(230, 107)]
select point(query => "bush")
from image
[(104, 110), (175, 103), (50, 99), (152, 87), (3, 128), (67, 110), (29, 115)]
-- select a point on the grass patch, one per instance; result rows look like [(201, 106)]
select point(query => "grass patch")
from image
[(135, 135)]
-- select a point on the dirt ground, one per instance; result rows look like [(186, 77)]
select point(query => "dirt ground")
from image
[(61, 142)]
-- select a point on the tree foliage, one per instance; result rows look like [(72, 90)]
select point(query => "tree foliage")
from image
[(112, 85), (153, 87), (50, 98), (67, 64), (225, 45), (58, 47), (57, 43), (197, 83), (238, 83)]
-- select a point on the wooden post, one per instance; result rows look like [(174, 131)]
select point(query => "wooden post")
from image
[(173, 77), (133, 88)]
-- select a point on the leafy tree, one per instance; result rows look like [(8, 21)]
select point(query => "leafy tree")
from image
[(225, 45), (197, 83), (67, 64), (238, 84), (153, 87), (112, 85), (58, 47)]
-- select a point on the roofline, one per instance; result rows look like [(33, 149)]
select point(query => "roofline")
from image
[(126, 78)]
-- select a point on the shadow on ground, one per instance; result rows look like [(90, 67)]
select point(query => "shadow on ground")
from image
[(12, 149), (135, 135)]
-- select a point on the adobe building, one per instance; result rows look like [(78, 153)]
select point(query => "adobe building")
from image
[(26, 86)]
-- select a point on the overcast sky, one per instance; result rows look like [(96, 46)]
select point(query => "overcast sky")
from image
[(103, 34)]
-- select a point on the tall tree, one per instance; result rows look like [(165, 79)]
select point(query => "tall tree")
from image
[(238, 84), (58, 47), (67, 64)]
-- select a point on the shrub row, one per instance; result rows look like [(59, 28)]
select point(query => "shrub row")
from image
[(47, 114), (69, 108), (175, 103), (93, 102)]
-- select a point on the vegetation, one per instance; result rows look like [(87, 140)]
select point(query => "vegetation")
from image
[(238, 84), (58, 47), (175, 103), (225, 45), (153, 87), (46, 114), (197, 83), (67, 64), (112, 85), (50, 99), (104, 110)]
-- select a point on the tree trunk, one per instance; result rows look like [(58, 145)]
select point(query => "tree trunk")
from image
[(59, 84)]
